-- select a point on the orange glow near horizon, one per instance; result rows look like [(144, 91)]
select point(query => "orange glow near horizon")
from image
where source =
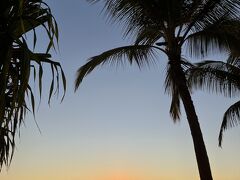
[(114, 174), (120, 174)]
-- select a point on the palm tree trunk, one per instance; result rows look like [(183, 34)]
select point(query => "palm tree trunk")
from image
[(174, 55), (199, 146)]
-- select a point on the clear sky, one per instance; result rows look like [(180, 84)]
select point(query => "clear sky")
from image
[(117, 125)]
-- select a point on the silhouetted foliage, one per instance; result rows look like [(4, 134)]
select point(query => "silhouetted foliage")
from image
[(18, 63), (220, 77), (202, 26)]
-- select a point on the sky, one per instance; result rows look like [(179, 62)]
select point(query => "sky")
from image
[(117, 125)]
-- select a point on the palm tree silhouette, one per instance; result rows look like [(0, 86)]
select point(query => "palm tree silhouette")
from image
[(220, 77), (17, 62), (166, 26)]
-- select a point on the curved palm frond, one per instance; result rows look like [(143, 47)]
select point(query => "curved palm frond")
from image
[(139, 54), (216, 76), (231, 118), (222, 36), (205, 13), (133, 13), (137, 14), (222, 78), (149, 35)]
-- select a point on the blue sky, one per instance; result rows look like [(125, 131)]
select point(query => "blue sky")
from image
[(117, 124)]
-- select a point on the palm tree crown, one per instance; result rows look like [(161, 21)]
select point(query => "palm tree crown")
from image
[(202, 26)]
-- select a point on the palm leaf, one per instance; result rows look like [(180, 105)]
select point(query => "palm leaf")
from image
[(222, 36), (223, 78), (172, 88), (215, 76), (139, 54), (231, 118), (204, 13), (149, 35), (137, 14)]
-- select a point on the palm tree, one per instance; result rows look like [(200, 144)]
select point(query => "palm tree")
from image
[(220, 77), (167, 26), (19, 19)]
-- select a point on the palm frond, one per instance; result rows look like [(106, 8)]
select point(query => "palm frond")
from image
[(206, 12), (139, 54), (231, 118), (222, 36), (175, 108), (136, 14), (215, 76), (172, 89), (223, 78), (149, 35)]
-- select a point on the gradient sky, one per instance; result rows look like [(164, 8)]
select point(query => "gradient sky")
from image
[(117, 125)]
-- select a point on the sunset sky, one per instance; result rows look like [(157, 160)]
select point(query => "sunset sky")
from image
[(117, 125)]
